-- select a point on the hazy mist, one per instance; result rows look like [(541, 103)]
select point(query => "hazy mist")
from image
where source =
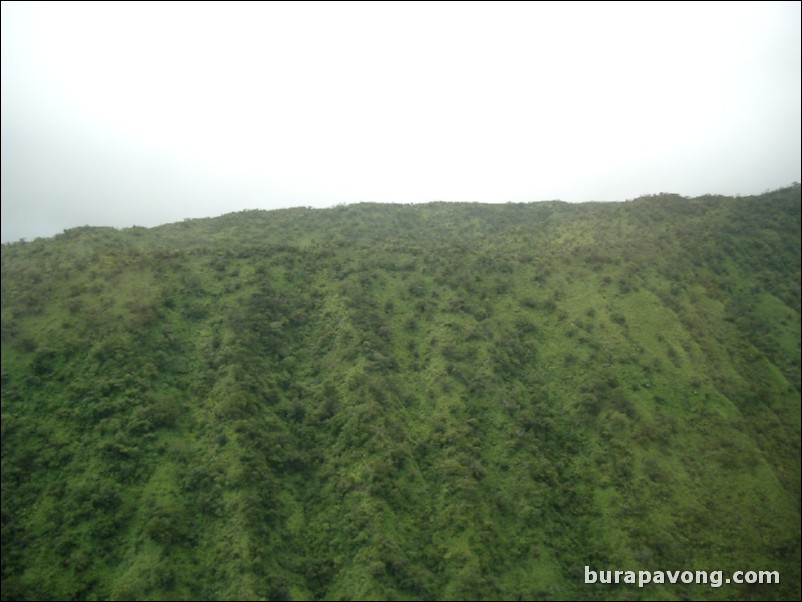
[(136, 113)]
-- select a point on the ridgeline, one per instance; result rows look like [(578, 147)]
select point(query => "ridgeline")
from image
[(440, 401)]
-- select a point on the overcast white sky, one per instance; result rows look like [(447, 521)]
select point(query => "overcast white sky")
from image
[(137, 113)]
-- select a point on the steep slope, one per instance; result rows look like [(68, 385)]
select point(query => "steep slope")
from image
[(441, 401)]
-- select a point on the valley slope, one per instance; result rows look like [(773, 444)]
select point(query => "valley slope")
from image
[(440, 401)]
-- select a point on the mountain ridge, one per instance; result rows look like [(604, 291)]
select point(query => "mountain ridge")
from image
[(410, 402)]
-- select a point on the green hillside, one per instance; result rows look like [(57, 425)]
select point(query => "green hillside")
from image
[(440, 401)]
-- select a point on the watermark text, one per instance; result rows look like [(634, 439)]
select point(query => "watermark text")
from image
[(711, 578)]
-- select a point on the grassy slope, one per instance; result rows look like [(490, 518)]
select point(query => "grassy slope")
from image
[(437, 401)]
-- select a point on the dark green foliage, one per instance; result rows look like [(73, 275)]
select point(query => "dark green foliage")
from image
[(441, 401)]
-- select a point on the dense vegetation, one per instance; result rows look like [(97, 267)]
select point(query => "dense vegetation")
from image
[(435, 401)]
